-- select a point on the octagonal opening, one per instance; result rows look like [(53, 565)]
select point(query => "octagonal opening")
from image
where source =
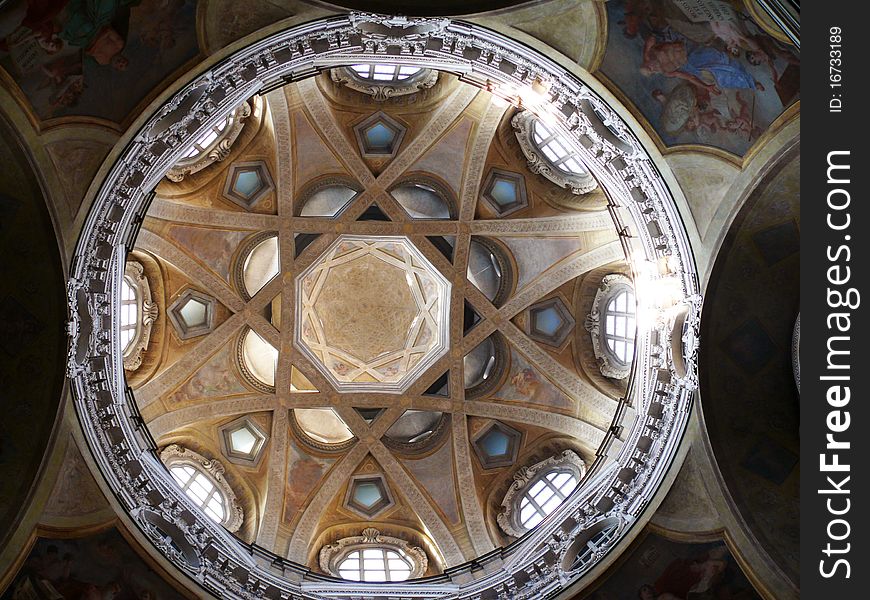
[(372, 313)]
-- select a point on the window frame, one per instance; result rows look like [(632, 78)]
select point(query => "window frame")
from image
[(146, 314), (212, 469), (609, 362), (578, 182), (383, 90), (333, 555), (525, 478)]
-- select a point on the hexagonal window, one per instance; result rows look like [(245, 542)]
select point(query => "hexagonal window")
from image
[(505, 192), (192, 314), (549, 322), (247, 183), (497, 445), (379, 135), (242, 441), (368, 495)]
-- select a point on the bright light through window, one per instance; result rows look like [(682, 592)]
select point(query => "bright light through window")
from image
[(201, 490), (545, 495), (205, 141), (557, 149), (619, 325), (375, 564), (129, 313), (384, 73)]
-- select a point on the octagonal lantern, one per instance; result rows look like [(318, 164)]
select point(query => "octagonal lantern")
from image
[(372, 313)]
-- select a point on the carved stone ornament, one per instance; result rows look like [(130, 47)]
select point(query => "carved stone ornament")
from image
[(526, 477), (146, 309), (175, 455), (331, 555), (218, 150), (382, 91), (523, 124), (608, 363), (643, 208)]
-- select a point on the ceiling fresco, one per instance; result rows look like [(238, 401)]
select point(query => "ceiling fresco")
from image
[(700, 71), (67, 57)]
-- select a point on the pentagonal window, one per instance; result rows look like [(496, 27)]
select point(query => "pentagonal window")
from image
[(242, 441), (550, 322), (379, 136), (192, 314), (505, 192), (368, 495), (497, 445), (384, 73), (247, 183)]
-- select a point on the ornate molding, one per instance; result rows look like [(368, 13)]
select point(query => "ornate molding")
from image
[(383, 91), (525, 478), (213, 469), (331, 555), (641, 205), (523, 123)]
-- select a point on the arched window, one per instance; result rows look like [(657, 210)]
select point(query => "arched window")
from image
[(129, 313), (612, 325), (538, 490), (138, 313), (589, 543), (212, 145), (384, 72), (373, 557), (202, 480), (545, 496), (550, 152), (375, 564), (384, 80), (619, 325), (201, 490)]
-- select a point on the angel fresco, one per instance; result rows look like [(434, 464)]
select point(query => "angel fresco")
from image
[(700, 71), (69, 56)]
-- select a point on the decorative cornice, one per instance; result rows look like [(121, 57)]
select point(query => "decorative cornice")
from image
[(642, 207)]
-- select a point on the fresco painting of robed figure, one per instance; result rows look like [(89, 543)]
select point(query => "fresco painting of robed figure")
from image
[(700, 71), (70, 57)]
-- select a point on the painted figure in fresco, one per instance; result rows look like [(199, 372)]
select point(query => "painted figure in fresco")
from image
[(677, 58)]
